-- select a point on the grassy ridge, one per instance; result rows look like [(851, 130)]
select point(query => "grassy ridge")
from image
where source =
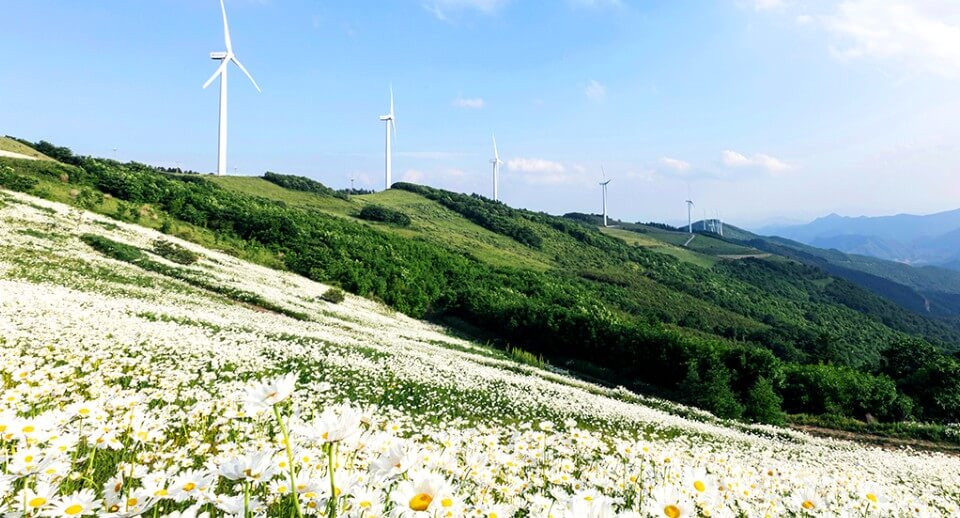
[(718, 336)]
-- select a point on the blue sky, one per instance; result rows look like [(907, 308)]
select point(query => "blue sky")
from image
[(760, 109)]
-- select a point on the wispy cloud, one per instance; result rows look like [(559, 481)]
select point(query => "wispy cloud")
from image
[(916, 33), (443, 9), (595, 91), (675, 164), (765, 162), (430, 155), (474, 103), (766, 5), (535, 165), (413, 176)]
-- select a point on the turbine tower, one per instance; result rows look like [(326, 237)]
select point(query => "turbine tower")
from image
[(690, 216), (225, 58), (496, 170), (603, 186), (391, 124)]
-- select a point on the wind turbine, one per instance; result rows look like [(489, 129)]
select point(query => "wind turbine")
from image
[(496, 170), (690, 216), (225, 58), (603, 186), (391, 123)]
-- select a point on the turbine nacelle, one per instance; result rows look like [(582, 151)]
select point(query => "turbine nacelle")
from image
[(219, 55)]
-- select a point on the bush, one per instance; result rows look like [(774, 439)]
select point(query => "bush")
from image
[(10, 180), (303, 184), (333, 295), (384, 214), (174, 252), (113, 249)]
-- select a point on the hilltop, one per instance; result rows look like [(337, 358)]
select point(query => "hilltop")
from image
[(724, 325)]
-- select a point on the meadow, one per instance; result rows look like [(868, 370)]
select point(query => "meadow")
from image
[(133, 391)]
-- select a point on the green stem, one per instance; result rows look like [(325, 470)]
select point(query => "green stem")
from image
[(333, 488), (246, 499), (286, 442), (88, 474)]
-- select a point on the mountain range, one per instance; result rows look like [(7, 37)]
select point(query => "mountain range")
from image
[(921, 240)]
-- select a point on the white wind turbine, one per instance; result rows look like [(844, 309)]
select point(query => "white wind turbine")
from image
[(690, 216), (603, 186), (496, 170), (391, 124), (225, 58)]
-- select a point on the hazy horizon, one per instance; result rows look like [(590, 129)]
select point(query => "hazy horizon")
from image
[(766, 110)]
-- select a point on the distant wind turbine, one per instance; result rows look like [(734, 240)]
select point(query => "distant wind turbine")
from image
[(225, 58), (603, 186), (391, 121), (690, 216), (496, 170)]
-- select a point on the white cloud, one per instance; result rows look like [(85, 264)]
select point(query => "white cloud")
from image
[(923, 33), (475, 103), (759, 160), (765, 5), (675, 164), (442, 9), (413, 176), (595, 91), (535, 165)]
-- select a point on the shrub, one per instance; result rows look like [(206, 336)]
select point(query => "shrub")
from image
[(113, 249), (384, 214), (174, 252), (333, 295), (14, 182)]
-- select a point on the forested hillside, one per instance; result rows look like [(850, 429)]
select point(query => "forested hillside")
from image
[(750, 338)]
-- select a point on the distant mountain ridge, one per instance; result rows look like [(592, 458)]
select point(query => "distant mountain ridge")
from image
[(932, 239)]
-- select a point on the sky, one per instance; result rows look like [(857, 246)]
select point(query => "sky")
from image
[(765, 111)]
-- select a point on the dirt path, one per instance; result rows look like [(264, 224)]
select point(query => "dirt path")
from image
[(890, 443), (11, 154)]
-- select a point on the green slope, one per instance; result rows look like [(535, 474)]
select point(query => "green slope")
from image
[(708, 331)]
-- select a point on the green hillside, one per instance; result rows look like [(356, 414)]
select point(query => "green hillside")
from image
[(745, 338), (926, 290)]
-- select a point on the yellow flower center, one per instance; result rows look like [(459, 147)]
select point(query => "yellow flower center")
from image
[(84, 411), (366, 504), (872, 497), (446, 502), (672, 511), (189, 486), (492, 515), (74, 509), (37, 501), (160, 492), (132, 502), (28, 429), (420, 502), (807, 504), (700, 486), (28, 459)]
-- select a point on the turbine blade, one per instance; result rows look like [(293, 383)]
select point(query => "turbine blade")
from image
[(602, 172), (393, 123), (216, 73), (226, 28), (244, 69), (391, 102), (496, 153)]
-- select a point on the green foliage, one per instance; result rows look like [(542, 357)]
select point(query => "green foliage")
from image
[(174, 252), (489, 215), (734, 338), (763, 403), (929, 377), (526, 357), (116, 250), (303, 184), (15, 182), (828, 389), (385, 215), (333, 295)]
